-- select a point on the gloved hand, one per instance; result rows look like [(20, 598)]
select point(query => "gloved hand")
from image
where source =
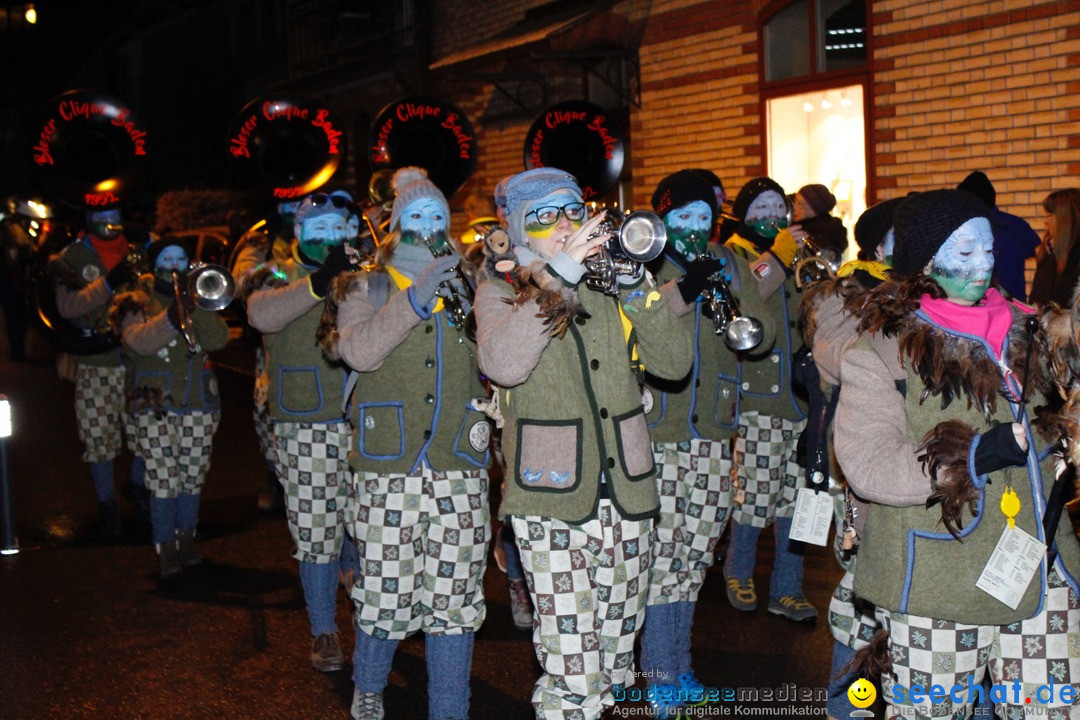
[(437, 272), (785, 247), (999, 449), (121, 275), (696, 279), (173, 311), (336, 262)]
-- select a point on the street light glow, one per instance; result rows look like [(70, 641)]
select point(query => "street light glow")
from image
[(5, 417)]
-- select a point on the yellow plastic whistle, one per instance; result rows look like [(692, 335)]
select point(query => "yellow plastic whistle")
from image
[(1010, 506)]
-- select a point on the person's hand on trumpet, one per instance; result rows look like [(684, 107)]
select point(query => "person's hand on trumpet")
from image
[(579, 245)]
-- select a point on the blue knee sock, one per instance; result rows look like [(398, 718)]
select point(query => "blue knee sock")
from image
[(163, 518), (742, 551), (658, 643), (187, 512), (683, 635), (787, 571), (137, 474), (320, 583), (102, 473), (350, 558), (372, 659), (837, 703), (449, 664)]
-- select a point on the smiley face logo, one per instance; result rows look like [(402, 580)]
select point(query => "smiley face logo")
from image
[(862, 693)]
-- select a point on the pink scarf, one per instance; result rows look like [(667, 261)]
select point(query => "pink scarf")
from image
[(990, 319)]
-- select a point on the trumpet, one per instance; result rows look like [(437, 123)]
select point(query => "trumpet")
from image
[(741, 332), (813, 263), (210, 287), (462, 319), (636, 239)]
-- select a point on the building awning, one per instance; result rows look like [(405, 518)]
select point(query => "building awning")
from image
[(526, 34)]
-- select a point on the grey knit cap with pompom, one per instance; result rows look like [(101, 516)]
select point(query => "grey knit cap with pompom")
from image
[(411, 183)]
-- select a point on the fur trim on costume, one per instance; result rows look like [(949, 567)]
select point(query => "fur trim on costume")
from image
[(558, 304), (945, 457), (873, 661), (125, 304), (326, 333), (948, 366), (265, 276), (144, 399), (812, 296)]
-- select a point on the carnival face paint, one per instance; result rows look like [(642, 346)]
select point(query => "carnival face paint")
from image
[(548, 240), (689, 227), (319, 234), (767, 214), (963, 265), (106, 224), (423, 221), (171, 258)]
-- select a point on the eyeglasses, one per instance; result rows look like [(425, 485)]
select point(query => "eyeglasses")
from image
[(574, 212), (338, 201)]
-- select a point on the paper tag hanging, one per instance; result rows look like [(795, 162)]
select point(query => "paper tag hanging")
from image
[(1008, 572), (813, 517)]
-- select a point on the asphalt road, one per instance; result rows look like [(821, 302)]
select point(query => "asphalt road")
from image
[(87, 630)]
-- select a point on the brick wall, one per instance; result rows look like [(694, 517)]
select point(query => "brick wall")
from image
[(992, 86)]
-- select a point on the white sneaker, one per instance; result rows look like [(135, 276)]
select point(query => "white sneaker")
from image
[(366, 706)]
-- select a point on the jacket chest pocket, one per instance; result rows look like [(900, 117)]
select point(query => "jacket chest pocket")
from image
[(549, 454), (300, 390), (473, 437), (380, 430)]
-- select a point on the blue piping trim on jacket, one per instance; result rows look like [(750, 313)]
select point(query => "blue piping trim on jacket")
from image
[(401, 426), (423, 312), (1034, 476), (977, 480), (421, 457), (281, 389)]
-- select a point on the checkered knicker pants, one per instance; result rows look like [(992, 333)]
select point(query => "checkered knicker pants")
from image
[(264, 431), (767, 475), (589, 585), (925, 651), (311, 463), (694, 480), (851, 619), (176, 447), (101, 412), (422, 541)]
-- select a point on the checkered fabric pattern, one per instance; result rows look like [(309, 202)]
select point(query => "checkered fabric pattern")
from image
[(312, 464), (852, 621), (177, 450), (422, 541), (101, 414), (767, 476), (264, 431), (588, 584), (694, 480), (925, 651)]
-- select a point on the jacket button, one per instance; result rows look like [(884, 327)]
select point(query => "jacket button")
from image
[(429, 399), (697, 382), (428, 329), (430, 363), (791, 323), (595, 364), (775, 359), (579, 320), (775, 389), (746, 386), (427, 434), (611, 462), (693, 418), (603, 413)]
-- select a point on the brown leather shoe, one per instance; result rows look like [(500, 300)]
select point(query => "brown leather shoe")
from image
[(326, 653)]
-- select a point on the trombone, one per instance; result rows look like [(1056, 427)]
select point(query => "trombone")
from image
[(813, 263), (210, 287)]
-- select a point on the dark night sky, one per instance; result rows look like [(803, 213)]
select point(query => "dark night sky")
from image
[(169, 60)]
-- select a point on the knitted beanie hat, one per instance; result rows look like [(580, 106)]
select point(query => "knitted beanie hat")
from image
[(682, 188), (411, 183), (925, 221), (749, 193), (872, 226), (524, 188), (818, 197), (710, 177), (158, 246), (980, 186)]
